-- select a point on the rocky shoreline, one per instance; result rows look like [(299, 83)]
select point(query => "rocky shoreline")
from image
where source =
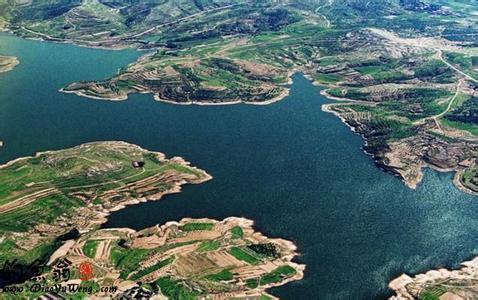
[(209, 258), (93, 212), (443, 283), (407, 157)]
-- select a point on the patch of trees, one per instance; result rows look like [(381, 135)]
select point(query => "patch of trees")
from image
[(466, 113), (268, 249)]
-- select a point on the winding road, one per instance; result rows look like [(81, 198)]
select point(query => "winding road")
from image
[(440, 56)]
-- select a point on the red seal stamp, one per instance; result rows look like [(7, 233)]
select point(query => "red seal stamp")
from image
[(86, 271)]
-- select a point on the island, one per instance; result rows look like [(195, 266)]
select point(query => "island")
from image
[(189, 259), (8, 63)]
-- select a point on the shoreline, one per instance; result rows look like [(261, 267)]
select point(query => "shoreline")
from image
[(101, 215), (257, 236), (92, 216), (220, 229), (80, 93), (83, 44), (465, 271), (410, 184), (459, 184), (12, 63), (285, 93), (282, 95), (326, 108)]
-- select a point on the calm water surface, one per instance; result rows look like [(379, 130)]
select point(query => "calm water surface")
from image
[(295, 170)]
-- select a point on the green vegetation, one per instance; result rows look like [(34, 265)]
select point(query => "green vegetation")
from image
[(265, 250), (469, 127), (197, 226), (225, 51), (209, 245), (127, 259), (224, 275), (153, 259), (328, 78), (464, 114), (244, 255), (237, 232), (469, 179), (329, 61), (56, 176), (369, 69), (432, 293), (174, 289), (44, 210), (432, 68), (277, 275), (465, 63), (252, 283), (95, 287), (9, 250), (89, 249), (151, 269), (42, 189)]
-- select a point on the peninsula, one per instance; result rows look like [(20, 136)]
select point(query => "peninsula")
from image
[(62, 193), (190, 259)]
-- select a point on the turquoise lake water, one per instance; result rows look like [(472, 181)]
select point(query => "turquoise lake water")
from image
[(298, 172)]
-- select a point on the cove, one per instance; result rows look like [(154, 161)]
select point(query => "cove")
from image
[(297, 171)]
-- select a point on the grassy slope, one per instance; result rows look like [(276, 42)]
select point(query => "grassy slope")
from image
[(92, 169)]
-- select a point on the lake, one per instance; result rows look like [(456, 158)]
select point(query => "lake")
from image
[(298, 172)]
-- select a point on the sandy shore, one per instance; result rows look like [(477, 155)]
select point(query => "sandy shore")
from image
[(82, 94), (11, 63)]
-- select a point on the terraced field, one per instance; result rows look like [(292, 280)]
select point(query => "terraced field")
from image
[(48, 195), (171, 260)]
